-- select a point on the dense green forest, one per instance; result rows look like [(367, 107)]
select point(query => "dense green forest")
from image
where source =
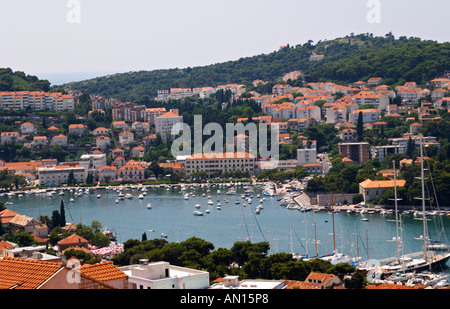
[(19, 81), (348, 59)]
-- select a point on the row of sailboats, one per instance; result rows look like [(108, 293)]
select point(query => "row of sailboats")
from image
[(426, 260)]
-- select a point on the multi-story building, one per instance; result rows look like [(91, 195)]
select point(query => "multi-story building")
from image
[(162, 275), (281, 89), (358, 152), (336, 114), (126, 137), (225, 162), (131, 171), (60, 173), (39, 141), (368, 115), (36, 100), (9, 137), (348, 135), (165, 123), (372, 189), (307, 154), (107, 173), (60, 139), (28, 128), (77, 129), (312, 111), (379, 101), (103, 141), (381, 152), (163, 95), (149, 114), (92, 162)]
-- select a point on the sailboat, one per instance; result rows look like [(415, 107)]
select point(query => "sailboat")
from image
[(428, 259), (337, 257)]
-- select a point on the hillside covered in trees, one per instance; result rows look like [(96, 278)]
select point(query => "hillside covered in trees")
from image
[(348, 59), (19, 81)]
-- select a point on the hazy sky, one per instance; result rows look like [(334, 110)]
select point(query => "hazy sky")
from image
[(38, 37)]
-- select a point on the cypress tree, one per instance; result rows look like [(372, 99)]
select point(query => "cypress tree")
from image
[(359, 126), (62, 215)]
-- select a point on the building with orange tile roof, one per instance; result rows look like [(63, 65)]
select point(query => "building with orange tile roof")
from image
[(36, 100), (28, 128), (165, 123), (60, 139), (373, 189), (72, 241), (131, 171), (7, 215), (225, 162), (323, 281), (18, 273), (77, 129), (106, 272)]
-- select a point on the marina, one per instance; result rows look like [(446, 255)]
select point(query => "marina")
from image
[(230, 218)]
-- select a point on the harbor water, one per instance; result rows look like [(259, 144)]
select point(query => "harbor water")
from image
[(287, 230)]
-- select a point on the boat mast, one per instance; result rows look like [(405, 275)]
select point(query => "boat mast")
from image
[(332, 215), (425, 228), (397, 254)]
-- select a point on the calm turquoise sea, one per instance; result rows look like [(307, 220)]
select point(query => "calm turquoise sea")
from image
[(286, 230)]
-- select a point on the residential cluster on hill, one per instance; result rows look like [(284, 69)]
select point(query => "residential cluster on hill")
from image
[(118, 149)]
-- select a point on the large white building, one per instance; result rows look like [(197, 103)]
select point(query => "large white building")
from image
[(165, 123), (162, 275), (225, 162), (60, 173), (92, 162), (36, 100), (370, 115), (308, 154)]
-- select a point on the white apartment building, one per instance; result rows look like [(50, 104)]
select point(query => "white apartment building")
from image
[(308, 154), (162, 275), (180, 93), (92, 162), (165, 123), (379, 101), (36, 100), (225, 162), (149, 114), (60, 173), (381, 152), (312, 111), (336, 114), (368, 115)]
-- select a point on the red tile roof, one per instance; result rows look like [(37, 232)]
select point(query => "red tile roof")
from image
[(103, 271), (26, 274)]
